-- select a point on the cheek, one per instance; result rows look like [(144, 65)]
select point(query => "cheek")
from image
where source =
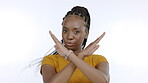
[(77, 38), (80, 39), (63, 37)]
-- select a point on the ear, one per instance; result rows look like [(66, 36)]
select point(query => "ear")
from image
[(86, 34)]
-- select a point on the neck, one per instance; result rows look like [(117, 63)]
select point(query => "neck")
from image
[(77, 52)]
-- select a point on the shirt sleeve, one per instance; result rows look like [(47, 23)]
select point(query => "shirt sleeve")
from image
[(100, 58), (49, 60)]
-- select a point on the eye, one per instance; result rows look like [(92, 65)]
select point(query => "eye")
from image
[(64, 30), (76, 32)]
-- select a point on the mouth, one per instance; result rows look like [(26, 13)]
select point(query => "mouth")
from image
[(69, 44)]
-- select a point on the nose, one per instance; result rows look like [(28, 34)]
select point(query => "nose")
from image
[(70, 36)]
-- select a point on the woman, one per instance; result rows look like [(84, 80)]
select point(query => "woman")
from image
[(71, 63)]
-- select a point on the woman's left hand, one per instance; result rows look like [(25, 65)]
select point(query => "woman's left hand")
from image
[(92, 47), (59, 47)]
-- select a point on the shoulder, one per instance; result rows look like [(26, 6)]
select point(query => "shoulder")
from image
[(98, 58), (50, 59), (96, 55), (53, 56)]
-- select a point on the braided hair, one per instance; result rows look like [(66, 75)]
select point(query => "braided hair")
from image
[(82, 12)]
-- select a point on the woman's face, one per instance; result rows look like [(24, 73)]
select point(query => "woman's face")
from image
[(74, 32)]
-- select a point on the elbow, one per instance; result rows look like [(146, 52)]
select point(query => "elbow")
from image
[(100, 81), (103, 80)]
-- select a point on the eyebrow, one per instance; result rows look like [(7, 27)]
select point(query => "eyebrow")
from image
[(65, 28), (74, 28)]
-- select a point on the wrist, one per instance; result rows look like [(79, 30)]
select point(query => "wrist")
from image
[(81, 55), (68, 54)]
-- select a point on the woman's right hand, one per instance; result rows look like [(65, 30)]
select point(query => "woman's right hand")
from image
[(59, 47), (92, 47)]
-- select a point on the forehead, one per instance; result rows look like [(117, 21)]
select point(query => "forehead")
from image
[(73, 21)]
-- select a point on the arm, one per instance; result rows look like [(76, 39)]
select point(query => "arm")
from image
[(50, 76), (49, 73), (95, 75), (91, 73), (100, 74)]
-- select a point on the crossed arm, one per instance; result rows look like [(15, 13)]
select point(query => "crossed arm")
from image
[(100, 74)]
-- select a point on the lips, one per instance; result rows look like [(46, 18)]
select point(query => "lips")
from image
[(69, 44)]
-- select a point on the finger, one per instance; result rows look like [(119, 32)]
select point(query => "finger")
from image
[(51, 35), (95, 48), (56, 47), (54, 38), (98, 39), (60, 52)]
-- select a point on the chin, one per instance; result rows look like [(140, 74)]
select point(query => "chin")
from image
[(70, 48)]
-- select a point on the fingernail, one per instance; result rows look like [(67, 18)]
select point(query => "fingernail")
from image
[(50, 32)]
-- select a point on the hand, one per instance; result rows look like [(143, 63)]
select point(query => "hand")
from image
[(92, 47), (59, 47)]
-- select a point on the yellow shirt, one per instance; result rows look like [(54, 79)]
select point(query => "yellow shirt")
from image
[(59, 63)]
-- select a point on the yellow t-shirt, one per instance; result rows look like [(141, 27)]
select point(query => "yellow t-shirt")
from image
[(59, 63)]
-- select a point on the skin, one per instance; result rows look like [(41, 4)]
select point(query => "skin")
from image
[(71, 25), (74, 32)]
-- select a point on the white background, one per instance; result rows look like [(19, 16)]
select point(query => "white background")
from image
[(24, 26)]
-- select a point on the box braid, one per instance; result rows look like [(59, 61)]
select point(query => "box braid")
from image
[(82, 12)]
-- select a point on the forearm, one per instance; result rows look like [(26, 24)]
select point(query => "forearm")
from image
[(94, 75), (65, 74)]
